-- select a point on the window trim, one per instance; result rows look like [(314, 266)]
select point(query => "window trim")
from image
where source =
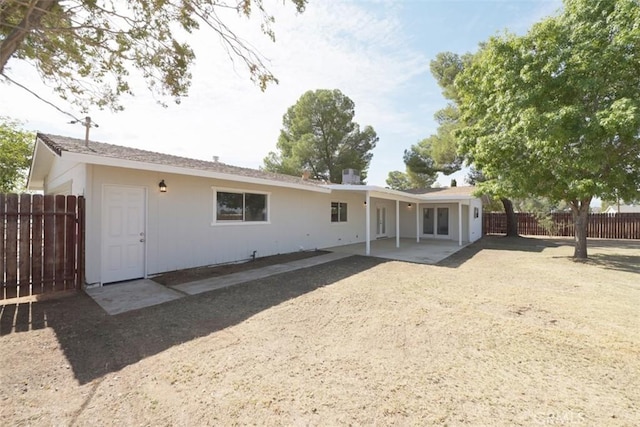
[(330, 215), (242, 191)]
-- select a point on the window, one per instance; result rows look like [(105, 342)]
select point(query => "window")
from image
[(338, 212), (246, 207), (476, 212)]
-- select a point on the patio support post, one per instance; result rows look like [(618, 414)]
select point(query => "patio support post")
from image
[(367, 216), (459, 223), (417, 222), (397, 223)]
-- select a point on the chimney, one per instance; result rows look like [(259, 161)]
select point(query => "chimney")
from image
[(216, 159)]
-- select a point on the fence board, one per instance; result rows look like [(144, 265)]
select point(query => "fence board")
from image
[(601, 226), (41, 243), (3, 251), (37, 207), (70, 247), (11, 246), (59, 242), (49, 244), (24, 244)]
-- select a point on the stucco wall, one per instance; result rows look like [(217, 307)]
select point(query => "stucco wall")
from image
[(65, 177), (475, 224), (390, 207), (181, 231), (408, 220)]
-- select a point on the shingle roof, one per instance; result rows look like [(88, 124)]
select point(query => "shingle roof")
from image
[(59, 144)]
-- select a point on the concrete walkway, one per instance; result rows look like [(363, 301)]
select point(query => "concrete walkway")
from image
[(122, 297)]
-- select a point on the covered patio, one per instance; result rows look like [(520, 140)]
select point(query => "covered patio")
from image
[(426, 251), (421, 226)]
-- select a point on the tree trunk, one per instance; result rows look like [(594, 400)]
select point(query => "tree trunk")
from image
[(32, 17), (512, 221), (580, 213)]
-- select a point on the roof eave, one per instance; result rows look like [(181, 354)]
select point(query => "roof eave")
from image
[(376, 191), (37, 183), (156, 167)]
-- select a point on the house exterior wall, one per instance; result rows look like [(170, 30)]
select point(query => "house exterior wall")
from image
[(475, 223), (408, 220), (390, 209), (466, 223), (66, 177), (181, 231), (471, 227)]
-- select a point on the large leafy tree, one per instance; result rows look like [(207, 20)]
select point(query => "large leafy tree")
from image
[(15, 154), (86, 48), (556, 113), (320, 136)]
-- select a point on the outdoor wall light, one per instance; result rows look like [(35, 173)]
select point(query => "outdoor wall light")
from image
[(409, 205), (162, 186)]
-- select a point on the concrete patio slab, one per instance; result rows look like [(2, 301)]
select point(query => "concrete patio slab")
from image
[(205, 285), (121, 297), (427, 251)]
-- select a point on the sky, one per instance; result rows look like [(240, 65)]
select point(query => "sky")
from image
[(377, 52)]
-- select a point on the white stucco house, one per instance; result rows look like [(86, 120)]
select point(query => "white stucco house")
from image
[(210, 213)]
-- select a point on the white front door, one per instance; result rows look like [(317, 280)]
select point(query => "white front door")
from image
[(123, 233), (381, 218)]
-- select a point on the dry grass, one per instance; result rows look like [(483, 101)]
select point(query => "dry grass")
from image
[(507, 333)]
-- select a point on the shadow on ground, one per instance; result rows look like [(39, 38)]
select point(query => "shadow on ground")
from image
[(95, 343), (526, 244), (628, 263)]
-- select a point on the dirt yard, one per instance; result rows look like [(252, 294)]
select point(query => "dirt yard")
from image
[(504, 333)]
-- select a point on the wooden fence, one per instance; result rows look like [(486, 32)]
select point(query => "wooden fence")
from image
[(602, 226), (41, 244)]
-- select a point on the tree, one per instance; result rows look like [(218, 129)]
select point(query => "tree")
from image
[(556, 113), (397, 180), (84, 48), (15, 155), (319, 135), (440, 152)]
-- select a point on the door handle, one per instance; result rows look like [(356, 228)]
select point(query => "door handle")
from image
[(142, 240)]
